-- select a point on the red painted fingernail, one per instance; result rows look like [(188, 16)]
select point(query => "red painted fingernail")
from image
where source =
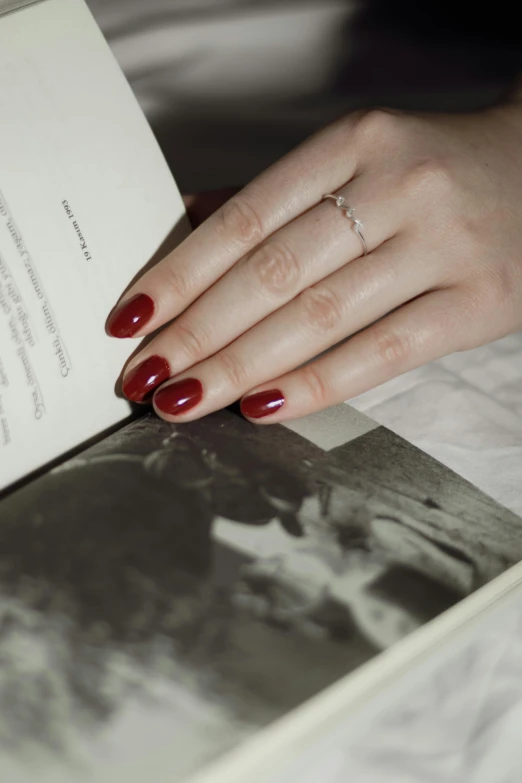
[(179, 397), (140, 381), (131, 316), (262, 404)]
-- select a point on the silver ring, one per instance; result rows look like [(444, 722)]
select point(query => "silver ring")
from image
[(340, 202)]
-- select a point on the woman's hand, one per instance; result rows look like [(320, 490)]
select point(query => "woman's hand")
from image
[(277, 277)]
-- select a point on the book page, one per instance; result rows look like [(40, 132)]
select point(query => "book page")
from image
[(200, 599), (86, 200)]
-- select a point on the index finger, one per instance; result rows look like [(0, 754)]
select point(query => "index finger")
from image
[(288, 188)]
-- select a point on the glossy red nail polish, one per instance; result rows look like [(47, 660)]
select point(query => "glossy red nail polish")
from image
[(139, 382), (179, 397), (127, 319), (256, 406)]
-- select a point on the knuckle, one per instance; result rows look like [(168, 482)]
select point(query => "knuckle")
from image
[(446, 323), (174, 282), (495, 289), (449, 325), (322, 309), (392, 347), (471, 308), (316, 385), (475, 322), (377, 124), (275, 267), (469, 239), (432, 176), (193, 340), (239, 222), (234, 370)]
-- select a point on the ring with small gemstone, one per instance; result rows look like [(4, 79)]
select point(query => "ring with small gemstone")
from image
[(340, 202)]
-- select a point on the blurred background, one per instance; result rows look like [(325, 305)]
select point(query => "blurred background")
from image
[(231, 85)]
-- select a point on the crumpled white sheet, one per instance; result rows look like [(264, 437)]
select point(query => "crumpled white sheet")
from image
[(466, 411), (464, 723)]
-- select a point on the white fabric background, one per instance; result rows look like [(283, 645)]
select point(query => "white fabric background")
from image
[(229, 86)]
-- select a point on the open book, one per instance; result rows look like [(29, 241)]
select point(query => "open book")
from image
[(181, 602)]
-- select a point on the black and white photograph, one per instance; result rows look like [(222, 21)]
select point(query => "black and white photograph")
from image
[(174, 589)]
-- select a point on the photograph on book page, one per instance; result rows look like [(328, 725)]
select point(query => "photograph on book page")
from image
[(174, 589)]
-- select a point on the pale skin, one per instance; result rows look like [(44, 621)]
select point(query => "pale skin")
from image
[(273, 279)]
